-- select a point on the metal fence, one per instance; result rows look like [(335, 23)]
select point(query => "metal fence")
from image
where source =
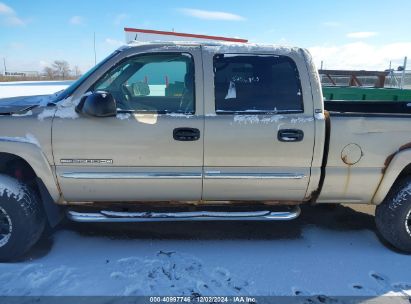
[(393, 80)]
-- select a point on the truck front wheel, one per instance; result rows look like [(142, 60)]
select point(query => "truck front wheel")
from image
[(22, 219), (393, 215)]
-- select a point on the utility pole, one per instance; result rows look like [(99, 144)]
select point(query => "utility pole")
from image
[(391, 74), (5, 68), (404, 67), (321, 75), (95, 54)]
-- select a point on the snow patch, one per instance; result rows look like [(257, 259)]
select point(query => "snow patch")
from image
[(246, 119), (28, 113), (319, 116), (38, 279), (254, 119), (227, 47), (11, 187), (214, 259), (301, 120), (66, 112), (403, 194), (176, 273), (46, 113), (70, 102), (33, 88), (181, 115), (62, 111), (29, 138), (123, 116), (274, 118)]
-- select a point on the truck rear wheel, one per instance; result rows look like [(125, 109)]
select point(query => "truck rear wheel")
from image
[(22, 219), (393, 215)]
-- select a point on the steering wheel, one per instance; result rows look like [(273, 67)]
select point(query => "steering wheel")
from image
[(121, 99)]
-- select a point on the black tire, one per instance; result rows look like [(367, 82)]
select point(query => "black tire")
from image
[(22, 219), (393, 215)]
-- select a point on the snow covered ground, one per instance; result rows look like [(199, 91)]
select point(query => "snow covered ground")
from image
[(28, 88), (331, 252)]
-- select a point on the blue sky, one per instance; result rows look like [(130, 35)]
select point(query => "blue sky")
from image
[(345, 34)]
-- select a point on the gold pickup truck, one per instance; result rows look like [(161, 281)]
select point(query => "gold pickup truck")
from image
[(198, 131)]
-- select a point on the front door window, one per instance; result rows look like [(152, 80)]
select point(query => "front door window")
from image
[(154, 83)]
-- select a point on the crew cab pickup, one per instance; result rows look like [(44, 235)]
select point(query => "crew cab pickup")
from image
[(198, 131)]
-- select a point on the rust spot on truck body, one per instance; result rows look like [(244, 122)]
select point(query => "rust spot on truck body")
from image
[(313, 196), (344, 159), (351, 154), (347, 180)]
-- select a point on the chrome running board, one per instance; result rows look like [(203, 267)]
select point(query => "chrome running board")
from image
[(114, 216)]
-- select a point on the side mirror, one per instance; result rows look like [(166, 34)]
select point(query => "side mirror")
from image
[(98, 104)]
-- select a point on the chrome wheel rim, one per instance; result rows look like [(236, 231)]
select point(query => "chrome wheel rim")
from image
[(408, 223), (6, 227)]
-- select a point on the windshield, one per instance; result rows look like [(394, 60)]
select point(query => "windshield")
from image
[(68, 91)]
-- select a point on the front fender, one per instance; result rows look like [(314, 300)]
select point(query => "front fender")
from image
[(32, 154), (394, 167)]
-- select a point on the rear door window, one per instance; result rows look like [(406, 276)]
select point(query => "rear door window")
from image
[(256, 84)]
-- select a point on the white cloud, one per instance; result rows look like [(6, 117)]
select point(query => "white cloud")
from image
[(114, 42), (5, 10), (361, 55), (360, 35), (210, 15), (9, 17), (14, 21), (76, 20)]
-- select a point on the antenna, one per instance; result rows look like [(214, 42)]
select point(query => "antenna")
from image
[(403, 72)]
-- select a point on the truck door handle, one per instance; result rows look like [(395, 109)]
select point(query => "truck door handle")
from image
[(290, 135), (186, 134)]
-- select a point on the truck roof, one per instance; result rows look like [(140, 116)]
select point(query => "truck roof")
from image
[(153, 38), (234, 47)]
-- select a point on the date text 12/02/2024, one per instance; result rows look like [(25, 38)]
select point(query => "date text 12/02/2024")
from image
[(203, 299)]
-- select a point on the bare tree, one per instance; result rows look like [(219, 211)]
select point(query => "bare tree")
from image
[(62, 68), (49, 72), (77, 71)]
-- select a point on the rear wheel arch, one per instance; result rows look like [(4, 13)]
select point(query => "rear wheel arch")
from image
[(396, 168), (403, 174)]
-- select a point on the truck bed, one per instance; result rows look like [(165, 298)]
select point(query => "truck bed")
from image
[(363, 137)]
